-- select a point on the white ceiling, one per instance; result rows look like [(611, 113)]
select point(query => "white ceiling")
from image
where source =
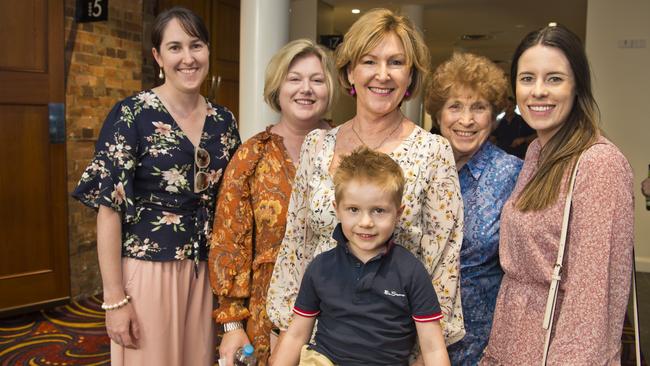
[(445, 21)]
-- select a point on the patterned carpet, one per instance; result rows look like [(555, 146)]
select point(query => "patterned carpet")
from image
[(72, 334)]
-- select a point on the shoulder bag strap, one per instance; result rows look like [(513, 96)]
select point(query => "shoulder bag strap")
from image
[(557, 269), (635, 301)]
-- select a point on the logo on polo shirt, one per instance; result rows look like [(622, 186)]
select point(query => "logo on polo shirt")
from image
[(393, 293)]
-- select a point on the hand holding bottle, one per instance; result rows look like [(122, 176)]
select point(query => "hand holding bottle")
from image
[(245, 356), (232, 342)]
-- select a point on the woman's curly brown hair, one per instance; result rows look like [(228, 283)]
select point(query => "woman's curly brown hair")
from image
[(470, 71)]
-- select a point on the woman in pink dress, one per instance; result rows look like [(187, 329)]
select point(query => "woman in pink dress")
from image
[(551, 81)]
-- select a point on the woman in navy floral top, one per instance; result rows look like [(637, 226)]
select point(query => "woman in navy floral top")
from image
[(154, 179), (464, 96)]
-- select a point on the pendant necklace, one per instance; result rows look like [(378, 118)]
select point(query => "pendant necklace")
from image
[(382, 141)]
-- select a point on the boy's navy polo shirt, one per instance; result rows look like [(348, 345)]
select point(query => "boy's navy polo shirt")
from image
[(366, 312)]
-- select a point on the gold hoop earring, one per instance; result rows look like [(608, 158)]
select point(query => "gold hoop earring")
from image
[(161, 74)]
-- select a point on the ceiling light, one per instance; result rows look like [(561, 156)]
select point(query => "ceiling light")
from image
[(552, 24), (356, 11)]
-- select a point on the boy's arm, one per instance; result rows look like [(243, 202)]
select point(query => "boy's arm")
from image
[(432, 343), (287, 352), (306, 309)]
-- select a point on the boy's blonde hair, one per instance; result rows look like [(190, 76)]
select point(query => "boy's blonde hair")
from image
[(369, 166)]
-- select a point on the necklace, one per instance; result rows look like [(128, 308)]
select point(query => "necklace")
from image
[(382, 141)]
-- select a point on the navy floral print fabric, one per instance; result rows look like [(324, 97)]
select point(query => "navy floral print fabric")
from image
[(144, 168), (486, 182)]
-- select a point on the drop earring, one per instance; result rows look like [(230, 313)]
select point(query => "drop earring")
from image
[(407, 94), (161, 74), (352, 91)]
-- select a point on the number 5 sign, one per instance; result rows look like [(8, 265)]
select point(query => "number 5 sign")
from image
[(91, 10)]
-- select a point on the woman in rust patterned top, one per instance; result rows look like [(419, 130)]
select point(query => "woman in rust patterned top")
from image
[(253, 201), (551, 80)]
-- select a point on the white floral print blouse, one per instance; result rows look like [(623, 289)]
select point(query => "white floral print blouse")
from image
[(431, 226)]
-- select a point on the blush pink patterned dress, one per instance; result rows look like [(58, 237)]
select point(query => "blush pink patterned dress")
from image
[(596, 273)]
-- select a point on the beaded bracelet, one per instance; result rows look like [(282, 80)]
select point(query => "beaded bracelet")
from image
[(118, 305)]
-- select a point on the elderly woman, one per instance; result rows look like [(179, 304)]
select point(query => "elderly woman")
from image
[(464, 96), (253, 200), (381, 63), (154, 179), (551, 81)]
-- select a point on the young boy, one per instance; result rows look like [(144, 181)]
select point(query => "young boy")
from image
[(370, 295)]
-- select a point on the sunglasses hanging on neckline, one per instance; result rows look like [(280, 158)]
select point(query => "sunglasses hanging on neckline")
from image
[(201, 163)]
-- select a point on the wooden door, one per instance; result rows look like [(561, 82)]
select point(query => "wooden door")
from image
[(33, 214), (222, 19), (224, 58)]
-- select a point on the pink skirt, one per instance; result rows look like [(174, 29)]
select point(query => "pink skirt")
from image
[(174, 310)]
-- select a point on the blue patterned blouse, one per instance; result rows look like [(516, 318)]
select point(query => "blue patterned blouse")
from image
[(486, 182), (144, 168)]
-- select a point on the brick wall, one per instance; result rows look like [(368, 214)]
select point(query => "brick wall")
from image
[(149, 67), (104, 63)]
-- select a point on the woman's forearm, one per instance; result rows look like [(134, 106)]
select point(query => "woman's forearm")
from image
[(109, 252)]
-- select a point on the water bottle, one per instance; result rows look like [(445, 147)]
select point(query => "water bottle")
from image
[(245, 357)]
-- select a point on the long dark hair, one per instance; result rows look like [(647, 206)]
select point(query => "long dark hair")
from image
[(578, 132)]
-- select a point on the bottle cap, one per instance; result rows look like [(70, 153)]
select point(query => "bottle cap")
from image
[(248, 350)]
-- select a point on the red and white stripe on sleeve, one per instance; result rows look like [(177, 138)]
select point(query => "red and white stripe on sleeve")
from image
[(305, 313), (427, 318)]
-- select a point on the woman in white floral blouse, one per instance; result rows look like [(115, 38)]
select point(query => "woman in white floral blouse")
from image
[(154, 178), (381, 63)]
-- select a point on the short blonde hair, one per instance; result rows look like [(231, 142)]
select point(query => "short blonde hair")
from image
[(471, 71), (278, 68), (369, 166), (368, 31)]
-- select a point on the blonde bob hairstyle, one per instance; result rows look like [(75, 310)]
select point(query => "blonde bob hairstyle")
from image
[(369, 166), (278, 68), (466, 70), (366, 34)]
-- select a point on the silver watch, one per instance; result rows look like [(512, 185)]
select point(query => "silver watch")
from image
[(230, 326)]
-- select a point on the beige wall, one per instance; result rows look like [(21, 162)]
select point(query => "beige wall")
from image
[(622, 89), (325, 18), (303, 19)]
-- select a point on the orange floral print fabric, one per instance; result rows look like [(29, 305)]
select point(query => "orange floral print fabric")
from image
[(248, 230)]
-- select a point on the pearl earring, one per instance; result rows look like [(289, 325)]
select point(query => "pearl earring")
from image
[(161, 74)]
